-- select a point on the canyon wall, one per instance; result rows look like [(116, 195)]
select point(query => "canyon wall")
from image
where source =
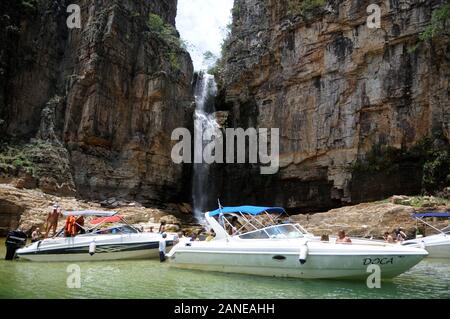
[(102, 99), (336, 89)]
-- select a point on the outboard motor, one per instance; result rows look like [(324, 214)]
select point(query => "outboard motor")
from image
[(16, 239)]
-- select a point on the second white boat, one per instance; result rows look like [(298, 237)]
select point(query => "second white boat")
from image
[(257, 241)]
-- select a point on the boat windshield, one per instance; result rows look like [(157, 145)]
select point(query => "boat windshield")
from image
[(115, 230), (274, 232)]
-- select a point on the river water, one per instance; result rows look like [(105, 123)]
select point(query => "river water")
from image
[(150, 279)]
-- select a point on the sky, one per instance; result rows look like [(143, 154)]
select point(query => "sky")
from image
[(202, 25)]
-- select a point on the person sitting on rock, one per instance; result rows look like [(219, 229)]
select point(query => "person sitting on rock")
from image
[(343, 238)]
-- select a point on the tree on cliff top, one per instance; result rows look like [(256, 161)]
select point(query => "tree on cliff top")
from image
[(440, 23)]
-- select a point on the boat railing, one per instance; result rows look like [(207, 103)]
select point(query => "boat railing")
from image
[(248, 223), (441, 231)]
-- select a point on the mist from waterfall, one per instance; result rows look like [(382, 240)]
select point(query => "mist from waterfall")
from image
[(204, 122)]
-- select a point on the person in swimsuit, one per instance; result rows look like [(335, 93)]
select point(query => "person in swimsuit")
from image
[(343, 238), (52, 220)]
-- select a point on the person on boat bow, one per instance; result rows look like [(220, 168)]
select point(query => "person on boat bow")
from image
[(52, 220)]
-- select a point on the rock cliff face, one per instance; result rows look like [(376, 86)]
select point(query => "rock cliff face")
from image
[(335, 88), (108, 94)]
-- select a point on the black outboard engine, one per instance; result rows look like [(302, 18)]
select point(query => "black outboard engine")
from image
[(16, 239)]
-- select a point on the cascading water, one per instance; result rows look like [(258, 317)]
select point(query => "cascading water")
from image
[(204, 122)]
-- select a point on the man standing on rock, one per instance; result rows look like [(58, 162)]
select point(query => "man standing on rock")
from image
[(52, 220)]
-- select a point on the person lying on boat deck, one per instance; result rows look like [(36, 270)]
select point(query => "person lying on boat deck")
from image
[(388, 238), (343, 238), (325, 238), (162, 247), (36, 235), (52, 220)]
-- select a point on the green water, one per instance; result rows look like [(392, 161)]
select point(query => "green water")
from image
[(150, 279)]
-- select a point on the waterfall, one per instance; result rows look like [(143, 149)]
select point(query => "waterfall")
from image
[(204, 121)]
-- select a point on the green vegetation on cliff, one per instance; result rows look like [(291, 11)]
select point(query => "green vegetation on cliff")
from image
[(439, 26), (432, 154), (17, 157), (169, 35), (440, 23), (296, 7)]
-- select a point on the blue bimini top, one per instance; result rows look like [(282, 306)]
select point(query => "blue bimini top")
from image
[(251, 210), (432, 214)]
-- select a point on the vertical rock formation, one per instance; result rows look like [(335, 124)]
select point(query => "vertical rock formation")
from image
[(335, 88), (109, 94)]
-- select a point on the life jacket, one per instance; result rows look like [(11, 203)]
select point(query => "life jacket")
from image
[(70, 227)]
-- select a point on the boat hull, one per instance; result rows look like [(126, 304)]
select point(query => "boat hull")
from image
[(331, 262), (437, 246), (108, 247)]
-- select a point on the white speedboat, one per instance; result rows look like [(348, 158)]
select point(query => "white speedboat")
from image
[(438, 246), (257, 241), (101, 242)]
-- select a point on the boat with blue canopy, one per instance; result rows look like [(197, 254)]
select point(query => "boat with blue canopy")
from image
[(264, 241), (437, 245)]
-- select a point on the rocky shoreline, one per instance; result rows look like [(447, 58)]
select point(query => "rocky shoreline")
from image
[(371, 219), (28, 209)]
